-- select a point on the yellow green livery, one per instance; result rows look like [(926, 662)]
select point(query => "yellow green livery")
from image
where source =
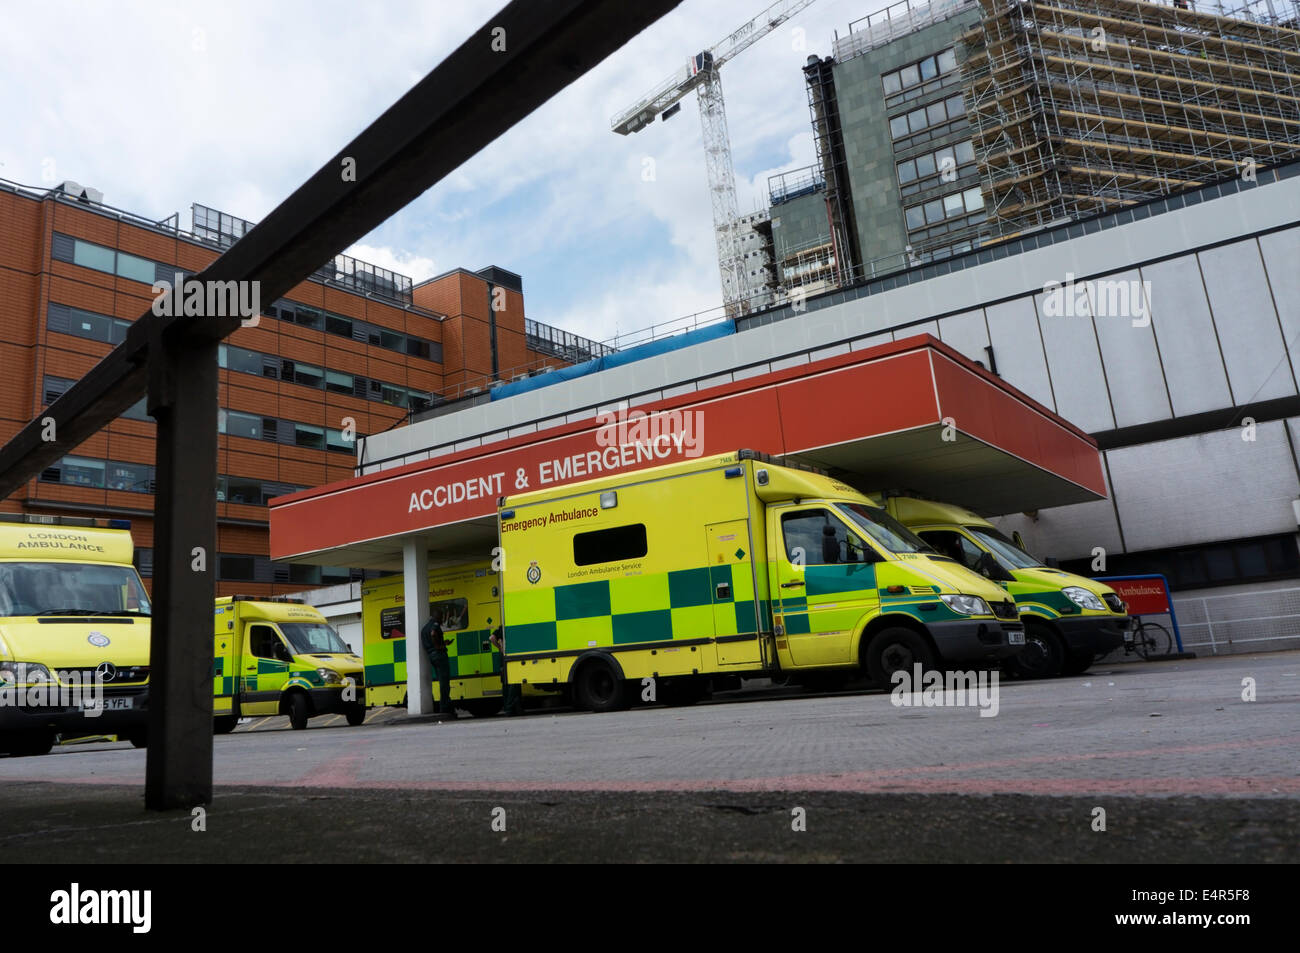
[(1070, 620), (281, 657), (468, 599), (671, 580)]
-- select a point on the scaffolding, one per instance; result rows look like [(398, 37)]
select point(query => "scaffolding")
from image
[(823, 106), (1083, 106)]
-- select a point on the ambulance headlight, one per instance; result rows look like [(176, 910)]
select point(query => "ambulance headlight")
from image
[(329, 676), (1083, 598), (37, 674), (24, 673), (967, 605)]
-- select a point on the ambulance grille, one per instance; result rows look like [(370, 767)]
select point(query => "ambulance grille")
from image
[(123, 675), (1005, 610)]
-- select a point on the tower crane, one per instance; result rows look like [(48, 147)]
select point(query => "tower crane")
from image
[(701, 73)]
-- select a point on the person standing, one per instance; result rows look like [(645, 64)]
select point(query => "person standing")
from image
[(435, 647), (511, 699)]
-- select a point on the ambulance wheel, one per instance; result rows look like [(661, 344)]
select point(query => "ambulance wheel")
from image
[(299, 710), (599, 689), (1043, 654), (27, 743), (138, 739), (224, 724), (897, 650), (356, 715)]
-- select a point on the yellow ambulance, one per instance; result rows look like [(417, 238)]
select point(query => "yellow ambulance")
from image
[(468, 599), (700, 572), (74, 633), (281, 657), (1070, 620)]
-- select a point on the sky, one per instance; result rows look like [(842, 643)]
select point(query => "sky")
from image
[(234, 104)]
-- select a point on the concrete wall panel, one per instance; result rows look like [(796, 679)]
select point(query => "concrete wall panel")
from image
[(1018, 347), (1189, 350), (1249, 334), (1206, 487)]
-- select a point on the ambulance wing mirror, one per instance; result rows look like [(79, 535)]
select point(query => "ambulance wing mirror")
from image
[(1019, 541)]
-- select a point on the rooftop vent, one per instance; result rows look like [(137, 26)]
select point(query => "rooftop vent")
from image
[(82, 193)]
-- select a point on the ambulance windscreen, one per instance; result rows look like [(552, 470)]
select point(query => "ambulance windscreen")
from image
[(313, 638), (1007, 552), (884, 529), (28, 589)]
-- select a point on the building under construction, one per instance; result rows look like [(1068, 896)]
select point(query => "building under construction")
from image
[(944, 125), (1082, 106)]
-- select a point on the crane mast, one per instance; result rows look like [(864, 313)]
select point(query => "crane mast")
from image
[(702, 75)]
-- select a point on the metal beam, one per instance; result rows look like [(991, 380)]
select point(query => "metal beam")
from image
[(178, 770), (467, 101)]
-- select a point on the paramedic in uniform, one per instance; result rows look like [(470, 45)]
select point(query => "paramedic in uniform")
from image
[(512, 701), (435, 647)]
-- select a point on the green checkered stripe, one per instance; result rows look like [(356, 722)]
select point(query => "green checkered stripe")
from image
[(835, 584), (827, 586), (653, 607), (266, 667), (223, 685), (386, 659)]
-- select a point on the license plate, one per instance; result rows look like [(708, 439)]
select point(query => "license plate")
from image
[(1015, 638), (108, 704)]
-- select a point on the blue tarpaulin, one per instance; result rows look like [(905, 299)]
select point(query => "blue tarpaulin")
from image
[(616, 359)]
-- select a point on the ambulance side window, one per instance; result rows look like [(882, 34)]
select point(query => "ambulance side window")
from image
[(609, 545), (453, 612), (264, 643), (954, 544), (808, 543)]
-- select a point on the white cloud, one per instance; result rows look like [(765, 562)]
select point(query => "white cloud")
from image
[(160, 104), (415, 267)]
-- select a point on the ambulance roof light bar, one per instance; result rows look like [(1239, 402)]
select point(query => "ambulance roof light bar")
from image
[(284, 599)]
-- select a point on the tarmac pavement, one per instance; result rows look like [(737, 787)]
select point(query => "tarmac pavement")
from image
[(1184, 769)]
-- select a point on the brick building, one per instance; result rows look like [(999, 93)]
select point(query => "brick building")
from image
[(352, 350)]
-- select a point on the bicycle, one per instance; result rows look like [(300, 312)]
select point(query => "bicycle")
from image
[(1150, 640)]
